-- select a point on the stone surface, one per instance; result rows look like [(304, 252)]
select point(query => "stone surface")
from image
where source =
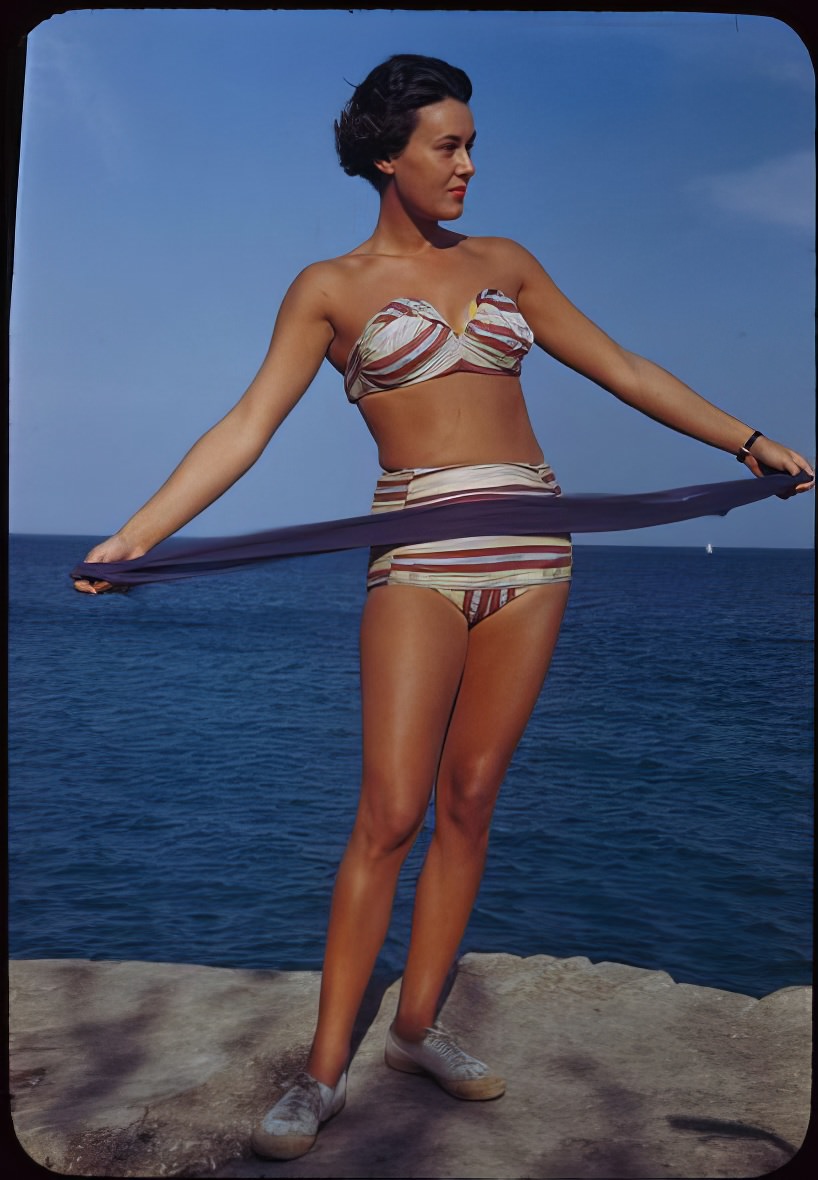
[(154, 1069)]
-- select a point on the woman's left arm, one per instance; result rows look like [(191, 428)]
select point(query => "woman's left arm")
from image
[(570, 337)]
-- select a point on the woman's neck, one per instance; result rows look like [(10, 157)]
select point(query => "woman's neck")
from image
[(399, 232)]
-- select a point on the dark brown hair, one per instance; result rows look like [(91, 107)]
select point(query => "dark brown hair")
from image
[(382, 113)]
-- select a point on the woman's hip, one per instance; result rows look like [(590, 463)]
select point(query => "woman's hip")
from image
[(468, 563)]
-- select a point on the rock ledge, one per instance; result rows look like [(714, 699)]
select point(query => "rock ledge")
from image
[(161, 1069)]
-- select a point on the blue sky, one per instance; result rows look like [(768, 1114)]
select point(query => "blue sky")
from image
[(178, 170)]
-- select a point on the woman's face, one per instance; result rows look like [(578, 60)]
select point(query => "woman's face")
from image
[(431, 173)]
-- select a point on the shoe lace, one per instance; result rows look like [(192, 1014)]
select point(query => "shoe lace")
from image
[(442, 1040), (301, 1096)]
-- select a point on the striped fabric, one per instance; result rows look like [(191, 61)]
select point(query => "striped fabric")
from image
[(408, 341), (479, 604), (475, 563)]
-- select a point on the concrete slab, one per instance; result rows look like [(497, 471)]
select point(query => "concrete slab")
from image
[(155, 1069)]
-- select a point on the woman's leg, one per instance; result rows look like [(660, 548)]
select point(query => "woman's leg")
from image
[(413, 648), (506, 663)]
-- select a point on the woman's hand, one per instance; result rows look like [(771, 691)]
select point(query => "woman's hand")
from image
[(766, 454), (116, 548)]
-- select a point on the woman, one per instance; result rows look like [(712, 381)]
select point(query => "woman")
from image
[(429, 328)]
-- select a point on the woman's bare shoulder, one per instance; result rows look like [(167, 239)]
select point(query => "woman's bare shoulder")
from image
[(330, 289), (328, 274)]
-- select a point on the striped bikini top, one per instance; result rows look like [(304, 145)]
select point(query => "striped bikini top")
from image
[(408, 341)]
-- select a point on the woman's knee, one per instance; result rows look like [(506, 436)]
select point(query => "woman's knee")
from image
[(466, 794), (388, 820)]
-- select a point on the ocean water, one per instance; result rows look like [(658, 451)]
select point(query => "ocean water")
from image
[(184, 764)]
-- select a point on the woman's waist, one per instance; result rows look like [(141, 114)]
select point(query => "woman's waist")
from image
[(462, 482), (436, 427)]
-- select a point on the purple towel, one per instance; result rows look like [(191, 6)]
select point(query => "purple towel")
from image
[(511, 516)]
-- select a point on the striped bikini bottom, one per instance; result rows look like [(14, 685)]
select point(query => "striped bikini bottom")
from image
[(477, 574)]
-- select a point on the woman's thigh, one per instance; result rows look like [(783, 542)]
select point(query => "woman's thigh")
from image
[(413, 649), (507, 659)]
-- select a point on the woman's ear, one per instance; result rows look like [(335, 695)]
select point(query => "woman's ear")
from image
[(387, 167)]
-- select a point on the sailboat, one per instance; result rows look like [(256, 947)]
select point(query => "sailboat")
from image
[(708, 548)]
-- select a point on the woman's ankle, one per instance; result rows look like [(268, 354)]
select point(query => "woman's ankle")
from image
[(410, 1028), (326, 1068)]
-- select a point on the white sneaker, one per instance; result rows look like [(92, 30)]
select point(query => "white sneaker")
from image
[(290, 1128), (437, 1055)]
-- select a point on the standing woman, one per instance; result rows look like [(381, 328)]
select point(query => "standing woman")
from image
[(429, 328)]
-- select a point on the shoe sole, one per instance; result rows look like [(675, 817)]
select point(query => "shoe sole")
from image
[(469, 1089), (281, 1147), (286, 1147)]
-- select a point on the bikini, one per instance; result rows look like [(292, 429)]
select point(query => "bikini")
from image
[(408, 342)]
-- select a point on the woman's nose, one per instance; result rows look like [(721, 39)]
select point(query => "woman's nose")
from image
[(465, 164)]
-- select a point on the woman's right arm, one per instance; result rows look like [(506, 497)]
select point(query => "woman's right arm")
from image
[(301, 337)]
